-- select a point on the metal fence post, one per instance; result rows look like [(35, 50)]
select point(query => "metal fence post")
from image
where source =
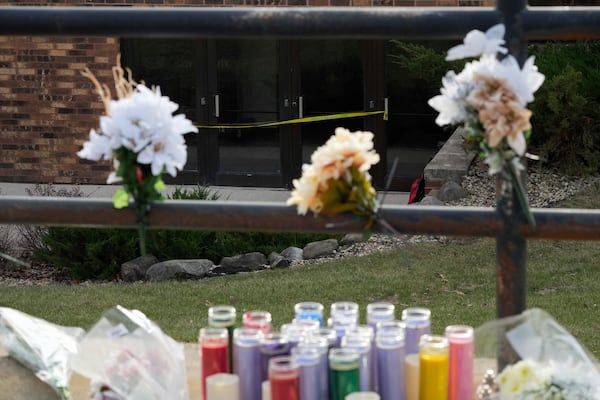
[(510, 244)]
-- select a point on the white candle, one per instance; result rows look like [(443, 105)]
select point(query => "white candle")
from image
[(222, 387), (363, 396), (266, 390), (411, 364)]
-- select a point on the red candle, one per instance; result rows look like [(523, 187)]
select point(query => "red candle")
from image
[(460, 362), (214, 354), (284, 378)]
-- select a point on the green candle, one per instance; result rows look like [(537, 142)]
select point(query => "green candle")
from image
[(343, 372)]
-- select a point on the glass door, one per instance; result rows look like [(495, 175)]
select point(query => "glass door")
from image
[(331, 81), (244, 91)]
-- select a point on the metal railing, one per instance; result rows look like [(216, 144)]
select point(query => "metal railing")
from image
[(505, 222)]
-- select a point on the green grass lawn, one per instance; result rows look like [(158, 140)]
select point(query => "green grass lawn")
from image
[(456, 280)]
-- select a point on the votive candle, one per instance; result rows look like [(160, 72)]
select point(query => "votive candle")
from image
[(214, 353), (390, 363), (222, 387), (246, 359), (362, 344), (418, 323), (266, 390), (308, 360), (271, 345), (309, 310), (284, 378), (224, 316), (258, 319), (363, 396), (343, 372), (411, 381), (460, 361), (321, 344), (433, 367)]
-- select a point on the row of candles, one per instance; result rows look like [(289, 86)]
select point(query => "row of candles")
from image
[(386, 359)]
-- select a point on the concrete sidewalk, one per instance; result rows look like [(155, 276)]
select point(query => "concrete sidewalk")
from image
[(228, 193)]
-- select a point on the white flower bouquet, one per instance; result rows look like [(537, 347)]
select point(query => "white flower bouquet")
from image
[(142, 137), (127, 356), (489, 98), (41, 346), (545, 361), (338, 179)]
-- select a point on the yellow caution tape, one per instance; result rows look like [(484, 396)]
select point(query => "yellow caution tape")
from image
[(296, 121)]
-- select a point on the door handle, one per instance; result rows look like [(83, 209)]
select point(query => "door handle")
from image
[(385, 108), (300, 107), (217, 104)]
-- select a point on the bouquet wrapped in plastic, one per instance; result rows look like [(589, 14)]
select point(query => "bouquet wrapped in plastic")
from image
[(127, 356), (41, 346), (538, 358)]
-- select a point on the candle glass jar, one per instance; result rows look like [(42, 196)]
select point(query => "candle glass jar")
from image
[(309, 365), (343, 372), (379, 312), (309, 310), (284, 378), (321, 344), (214, 353), (460, 361), (222, 386), (260, 320), (272, 345), (390, 362), (224, 316), (246, 348), (433, 367), (418, 323)]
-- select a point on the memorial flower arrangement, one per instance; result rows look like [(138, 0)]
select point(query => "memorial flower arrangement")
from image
[(142, 137), (337, 180), (531, 380), (489, 99)]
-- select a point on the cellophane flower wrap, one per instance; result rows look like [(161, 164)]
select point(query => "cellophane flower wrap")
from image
[(489, 98), (143, 139), (127, 356), (337, 180), (41, 346), (549, 363)]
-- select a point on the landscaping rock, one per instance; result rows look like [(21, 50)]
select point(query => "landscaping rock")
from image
[(293, 254), (451, 191), (276, 260), (352, 238), (248, 262), (135, 270), (430, 201), (320, 248), (179, 269)]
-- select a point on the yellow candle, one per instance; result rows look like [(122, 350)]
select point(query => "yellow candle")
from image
[(222, 387), (411, 372), (433, 369)]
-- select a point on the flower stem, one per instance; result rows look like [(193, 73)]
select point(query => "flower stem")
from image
[(142, 212), (520, 192)]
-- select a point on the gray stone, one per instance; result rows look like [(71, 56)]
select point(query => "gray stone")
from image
[(276, 260), (320, 248), (179, 269), (352, 238), (248, 262), (451, 191), (293, 254), (430, 201), (453, 160), (135, 270)]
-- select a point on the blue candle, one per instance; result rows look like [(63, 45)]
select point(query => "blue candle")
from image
[(246, 358), (309, 310)]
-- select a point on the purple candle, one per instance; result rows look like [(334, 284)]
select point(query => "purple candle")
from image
[(321, 344), (271, 345), (418, 323), (368, 367), (246, 358), (308, 359), (390, 364)]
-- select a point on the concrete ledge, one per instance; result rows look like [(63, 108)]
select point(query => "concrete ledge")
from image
[(452, 162)]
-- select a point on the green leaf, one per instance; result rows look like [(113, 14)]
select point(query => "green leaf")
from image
[(120, 199), (159, 184)]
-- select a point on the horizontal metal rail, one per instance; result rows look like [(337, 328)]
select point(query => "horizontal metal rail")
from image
[(563, 224), (539, 23)]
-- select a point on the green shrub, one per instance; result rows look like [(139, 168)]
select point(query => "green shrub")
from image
[(85, 253)]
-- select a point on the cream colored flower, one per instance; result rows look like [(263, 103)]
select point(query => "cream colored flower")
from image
[(506, 120), (305, 193)]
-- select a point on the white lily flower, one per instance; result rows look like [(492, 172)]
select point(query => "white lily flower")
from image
[(477, 43), (97, 148), (451, 103)]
